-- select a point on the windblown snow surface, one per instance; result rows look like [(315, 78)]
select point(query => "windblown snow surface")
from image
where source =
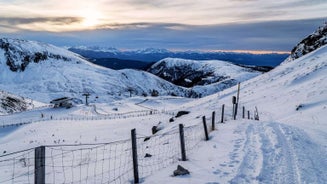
[(287, 145)]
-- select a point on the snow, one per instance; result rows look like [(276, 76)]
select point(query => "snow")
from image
[(216, 75), (55, 78), (287, 145)]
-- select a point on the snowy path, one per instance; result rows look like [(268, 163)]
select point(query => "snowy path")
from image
[(275, 153)]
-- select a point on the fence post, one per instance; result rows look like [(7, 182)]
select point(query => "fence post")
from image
[(256, 114), (205, 127), (213, 120), (39, 166), (243, 115), (248, 114), (181, 137), (222, 113), (134, 152)]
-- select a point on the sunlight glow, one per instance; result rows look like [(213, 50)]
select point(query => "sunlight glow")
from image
[(91, 18)]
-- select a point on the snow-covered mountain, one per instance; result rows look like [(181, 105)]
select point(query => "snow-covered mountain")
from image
[(312, 42), (44, 72), (287, 145), (189, 73)]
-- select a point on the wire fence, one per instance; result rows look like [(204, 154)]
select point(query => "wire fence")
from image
[(109, 162), (99, 163), (104, 163), (17, 167), (112, 116)]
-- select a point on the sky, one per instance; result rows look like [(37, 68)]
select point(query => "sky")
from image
[(257, 25)]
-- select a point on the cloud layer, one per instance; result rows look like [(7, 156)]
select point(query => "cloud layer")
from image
[(178, 24)]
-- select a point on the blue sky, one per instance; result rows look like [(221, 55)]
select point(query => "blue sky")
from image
[(179, 25)]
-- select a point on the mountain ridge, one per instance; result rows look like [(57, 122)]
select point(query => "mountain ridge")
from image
[(154, 55)]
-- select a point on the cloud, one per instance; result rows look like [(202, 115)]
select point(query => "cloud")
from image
[(50, 20), (271, 35)]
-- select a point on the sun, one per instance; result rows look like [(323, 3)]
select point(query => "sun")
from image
[(91, 18)]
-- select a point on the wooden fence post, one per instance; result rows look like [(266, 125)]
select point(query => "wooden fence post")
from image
[(222, 113), (248, 114), (134, 152), (213, 121), (205, 127), (256, 114), (243, 115), (181, 138), (39, 167)]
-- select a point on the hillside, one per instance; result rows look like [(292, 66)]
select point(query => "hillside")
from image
[(44, 72), (190, 73), (92, 144), (287, 145)]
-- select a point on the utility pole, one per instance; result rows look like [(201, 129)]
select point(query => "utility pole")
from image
[(86, 97)]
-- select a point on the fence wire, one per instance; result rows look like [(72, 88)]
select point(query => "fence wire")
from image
[(17, 167), (103, 163), (157, 152), (107, 163)]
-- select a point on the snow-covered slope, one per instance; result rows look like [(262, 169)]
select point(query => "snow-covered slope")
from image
[(287, 145), (312, 42), (44, 72), (205, 76)]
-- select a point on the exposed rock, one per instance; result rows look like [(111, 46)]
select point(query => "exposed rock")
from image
[(312, 42), (181, 113), (18, 58), (10, 103), (181, 171)]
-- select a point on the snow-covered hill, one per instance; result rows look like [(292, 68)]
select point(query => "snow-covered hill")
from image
[(287, 145), (44, 72), (189, 73)]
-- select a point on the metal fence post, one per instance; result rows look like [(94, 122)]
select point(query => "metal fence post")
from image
[(205, 127), (222, 113), (134, 153), (39, 167), (213, 120), (181, 137), (248, 114)]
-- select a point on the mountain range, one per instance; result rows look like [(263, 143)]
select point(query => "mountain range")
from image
[(110, 57), (44, 72)]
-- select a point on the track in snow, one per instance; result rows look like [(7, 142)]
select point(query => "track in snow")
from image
[(269, 152)]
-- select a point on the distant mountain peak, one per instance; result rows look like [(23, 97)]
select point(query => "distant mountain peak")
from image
[(153, 50), (312, 42)]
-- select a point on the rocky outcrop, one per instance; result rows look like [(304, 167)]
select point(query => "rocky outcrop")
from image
[(18, 58), (312, 42), (11, 103)]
